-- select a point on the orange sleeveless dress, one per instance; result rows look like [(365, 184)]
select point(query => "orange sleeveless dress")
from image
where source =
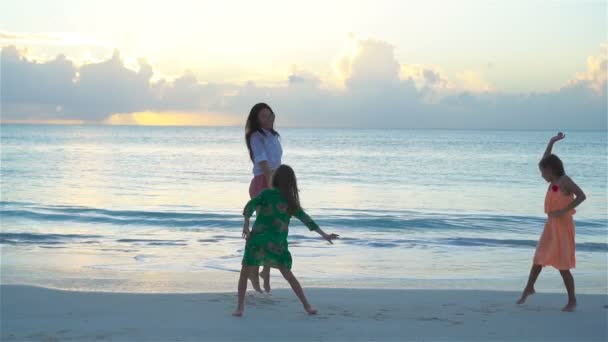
[(556, 246)]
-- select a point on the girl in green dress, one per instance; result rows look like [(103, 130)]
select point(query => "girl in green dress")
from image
[(267, 241)]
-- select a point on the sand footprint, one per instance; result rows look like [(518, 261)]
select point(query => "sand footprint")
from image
[(438, 319)]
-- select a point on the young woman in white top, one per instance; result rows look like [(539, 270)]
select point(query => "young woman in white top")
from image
[(265, 153)]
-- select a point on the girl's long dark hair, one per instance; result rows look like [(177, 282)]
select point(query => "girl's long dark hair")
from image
[(285, 180), (253, 125), (554, 163)]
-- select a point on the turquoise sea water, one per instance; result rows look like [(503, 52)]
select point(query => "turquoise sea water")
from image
[(413, 207)]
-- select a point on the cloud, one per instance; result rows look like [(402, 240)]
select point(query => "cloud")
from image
[(63, 39), (433, 79), (376, 92), (188, 94), (11, 37), (109, 87), (595, 76), (473, 82), (302, 78), (374, 65), (37, 88)]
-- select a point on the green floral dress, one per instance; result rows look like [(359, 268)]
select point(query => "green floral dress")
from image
[(267, 243)]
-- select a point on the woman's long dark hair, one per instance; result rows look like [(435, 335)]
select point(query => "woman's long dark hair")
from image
[(554, 163), (285, 180), (253, 125)]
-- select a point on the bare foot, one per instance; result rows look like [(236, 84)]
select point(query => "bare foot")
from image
[(238, 313), (310, 310), (570, 307), (255, 282), (525, 295), (266, 277)]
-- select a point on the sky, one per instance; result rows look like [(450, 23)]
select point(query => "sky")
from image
[(372, 64)]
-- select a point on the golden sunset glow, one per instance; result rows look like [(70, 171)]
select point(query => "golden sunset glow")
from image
[(170, 119)]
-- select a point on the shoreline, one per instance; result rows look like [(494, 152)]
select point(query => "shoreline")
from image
[(34, 313)]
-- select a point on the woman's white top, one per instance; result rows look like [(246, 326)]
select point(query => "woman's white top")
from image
[(265, 147)]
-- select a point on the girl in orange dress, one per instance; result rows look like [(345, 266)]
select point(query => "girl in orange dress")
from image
[(556, 246)]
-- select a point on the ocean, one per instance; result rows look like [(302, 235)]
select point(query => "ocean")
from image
[(158, 209)]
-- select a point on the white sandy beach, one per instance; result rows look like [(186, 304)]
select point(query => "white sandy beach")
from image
[(38, 314)]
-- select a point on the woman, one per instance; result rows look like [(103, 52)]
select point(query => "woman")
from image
[(265, 153)]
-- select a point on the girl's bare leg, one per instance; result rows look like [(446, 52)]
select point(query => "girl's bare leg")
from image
[(242, 288), (529, 290), (295, 285), (569, 282)]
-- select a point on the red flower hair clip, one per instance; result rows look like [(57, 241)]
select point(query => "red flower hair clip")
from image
[(555, 188)]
